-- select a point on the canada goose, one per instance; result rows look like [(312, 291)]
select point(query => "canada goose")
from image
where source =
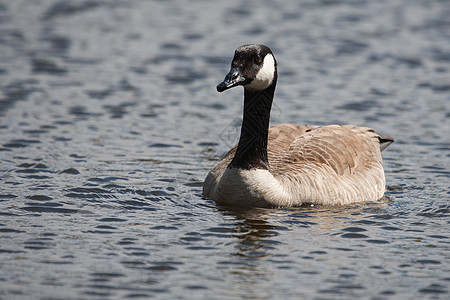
[(290, 165)]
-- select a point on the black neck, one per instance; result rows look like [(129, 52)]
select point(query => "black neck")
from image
[(251, 152)]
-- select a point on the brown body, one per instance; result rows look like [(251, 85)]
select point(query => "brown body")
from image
[(335, 164)]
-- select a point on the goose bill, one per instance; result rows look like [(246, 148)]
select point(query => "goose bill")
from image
[(233, 78)]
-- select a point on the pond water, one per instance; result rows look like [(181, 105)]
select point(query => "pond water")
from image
[(109, 122)]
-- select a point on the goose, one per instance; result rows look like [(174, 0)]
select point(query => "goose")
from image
[(290, 165)]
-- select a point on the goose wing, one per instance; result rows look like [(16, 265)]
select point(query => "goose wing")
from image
[(342, 149)]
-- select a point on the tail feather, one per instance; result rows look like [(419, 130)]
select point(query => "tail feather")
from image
[(385, 141)]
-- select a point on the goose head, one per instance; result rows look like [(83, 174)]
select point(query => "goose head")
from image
[(253, 66)]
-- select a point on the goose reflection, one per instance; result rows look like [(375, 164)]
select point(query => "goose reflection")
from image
[(265, 241), (257, 228), (254, 233)]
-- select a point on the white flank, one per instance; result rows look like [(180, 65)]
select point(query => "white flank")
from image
[(265, 75), (256, 188), (259, 188)]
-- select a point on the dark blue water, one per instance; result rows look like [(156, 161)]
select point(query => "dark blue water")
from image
[(109, 122)]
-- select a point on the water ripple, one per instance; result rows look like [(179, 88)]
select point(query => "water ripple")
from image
[(110, 121)]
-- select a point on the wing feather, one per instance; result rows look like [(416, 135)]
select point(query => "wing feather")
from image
[(345, 149)]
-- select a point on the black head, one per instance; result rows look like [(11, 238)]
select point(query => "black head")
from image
[(253, 66)]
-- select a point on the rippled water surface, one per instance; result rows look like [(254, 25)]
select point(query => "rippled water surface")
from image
[(109, 122)]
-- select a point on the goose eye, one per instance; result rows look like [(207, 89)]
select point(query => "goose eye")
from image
[(258, 59)]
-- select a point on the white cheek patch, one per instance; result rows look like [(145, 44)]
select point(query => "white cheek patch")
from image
[(265, 75)]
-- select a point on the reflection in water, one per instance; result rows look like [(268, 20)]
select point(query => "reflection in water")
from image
[(257, 229), (300, 240), (255, 222), (254, 244), (254, 233)]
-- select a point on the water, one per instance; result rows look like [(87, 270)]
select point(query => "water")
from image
[(110, 121)]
